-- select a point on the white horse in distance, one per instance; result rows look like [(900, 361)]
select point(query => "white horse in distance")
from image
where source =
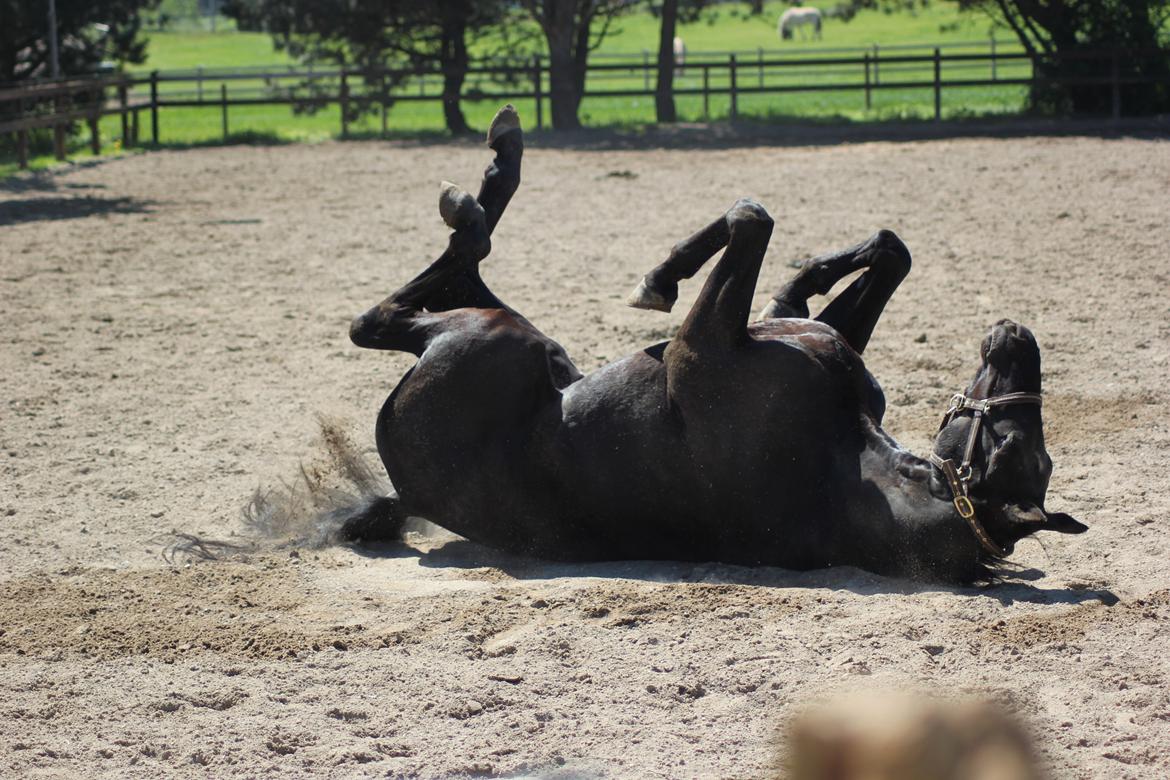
[(801, 16), (680, 54)]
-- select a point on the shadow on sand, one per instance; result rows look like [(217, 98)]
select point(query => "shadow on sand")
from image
[(1014, 585), (16, 212), (802, 132)]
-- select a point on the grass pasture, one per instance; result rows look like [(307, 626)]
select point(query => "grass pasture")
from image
[(727, 28)]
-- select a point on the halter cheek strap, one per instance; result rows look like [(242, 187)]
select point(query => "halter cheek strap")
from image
[(959, 478)]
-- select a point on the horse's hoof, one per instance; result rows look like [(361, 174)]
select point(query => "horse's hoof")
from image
[(505, 120), (456, 207), (645, 297)]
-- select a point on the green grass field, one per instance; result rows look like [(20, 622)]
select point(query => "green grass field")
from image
[(725, 29)]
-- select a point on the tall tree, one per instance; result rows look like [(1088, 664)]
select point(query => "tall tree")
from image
[(375, 35), (671, 13), (572, 29), (664, 88), (1056, 32), (89, 32)]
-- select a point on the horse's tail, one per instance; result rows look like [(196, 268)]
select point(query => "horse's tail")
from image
[(337, 498)]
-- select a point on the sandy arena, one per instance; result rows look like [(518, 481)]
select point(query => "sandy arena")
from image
[(175, 322)]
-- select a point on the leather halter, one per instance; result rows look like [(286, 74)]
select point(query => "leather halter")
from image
[(959, 478)]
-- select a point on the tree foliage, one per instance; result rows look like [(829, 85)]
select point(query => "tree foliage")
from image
[(1063, 35), (89, 32), (1060, 32), (376, 35)]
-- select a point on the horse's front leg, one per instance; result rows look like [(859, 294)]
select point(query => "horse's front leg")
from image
[(855, 312), (720, 313)]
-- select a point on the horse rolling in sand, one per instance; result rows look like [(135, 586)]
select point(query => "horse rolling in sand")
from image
[(746, 444), (799, 17)]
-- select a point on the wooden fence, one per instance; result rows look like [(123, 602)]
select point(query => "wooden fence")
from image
[(60, 103)]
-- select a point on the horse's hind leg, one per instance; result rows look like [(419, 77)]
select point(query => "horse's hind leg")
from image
[(402, 321), (379, 519), (466, 289), (855, 312), (409, 318)]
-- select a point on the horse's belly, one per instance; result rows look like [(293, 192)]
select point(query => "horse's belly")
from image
[(732, 483)]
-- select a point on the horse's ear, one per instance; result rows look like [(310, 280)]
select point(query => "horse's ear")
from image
[(1064, 524), (1036, 519)]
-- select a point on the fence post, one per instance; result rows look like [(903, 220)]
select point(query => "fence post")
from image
[(538, 89), (1115, 77), (223, 107), (59, 130), (22, 140), (937, 84), (707, 92), (734, 101), (123, 100), (22, 148), (993, 60), (95, 138), (385, 103), (154, 107), (867, 97), (343, 101)]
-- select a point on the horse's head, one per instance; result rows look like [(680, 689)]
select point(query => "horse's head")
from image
[(785, 33), (999, 452)]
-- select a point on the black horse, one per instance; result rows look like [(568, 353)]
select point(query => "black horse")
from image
[(746, 444)]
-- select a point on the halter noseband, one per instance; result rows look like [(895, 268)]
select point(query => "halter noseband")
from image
[(959, 478)]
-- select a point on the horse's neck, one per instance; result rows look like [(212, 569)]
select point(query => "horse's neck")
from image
[(904, 480)]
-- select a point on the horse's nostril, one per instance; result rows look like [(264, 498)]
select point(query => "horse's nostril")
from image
[(356, 329)]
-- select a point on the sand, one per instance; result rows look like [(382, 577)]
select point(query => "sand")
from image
[(174, 322)]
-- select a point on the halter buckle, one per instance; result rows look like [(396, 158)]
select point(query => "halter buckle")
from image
[(964, 507)]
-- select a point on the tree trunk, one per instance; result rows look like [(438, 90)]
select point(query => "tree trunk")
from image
[(581, 56), (558, 21), (454, 64), (664, 90), (757, 7)]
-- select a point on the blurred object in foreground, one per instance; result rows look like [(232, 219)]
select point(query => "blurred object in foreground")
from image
[(897, 737)]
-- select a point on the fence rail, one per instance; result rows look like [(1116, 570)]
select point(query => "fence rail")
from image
[(56, 104)]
